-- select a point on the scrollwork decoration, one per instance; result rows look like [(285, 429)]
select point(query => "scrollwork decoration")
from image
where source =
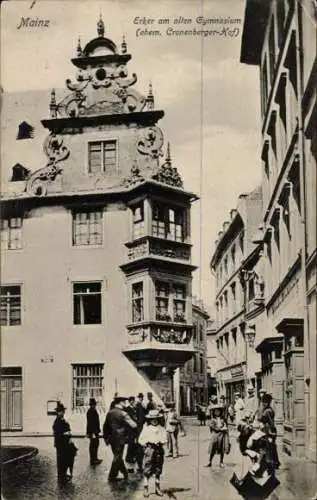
[(151, 142), (56, 151)]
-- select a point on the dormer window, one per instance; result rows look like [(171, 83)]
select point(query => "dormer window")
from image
[(102, 156), (25, 131)]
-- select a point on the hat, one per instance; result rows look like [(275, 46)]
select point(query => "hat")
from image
[(119, 399), (153, 414), (60, 407), (267, 398), (237, 393), (140, 395), (217, 407), (262, 390), (250, 388), (92, 402)]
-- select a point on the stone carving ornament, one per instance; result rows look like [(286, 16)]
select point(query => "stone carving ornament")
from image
[(56, 151), (151, 142)]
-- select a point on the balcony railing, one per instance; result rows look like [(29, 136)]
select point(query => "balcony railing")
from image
[(158, 247), (163, 334)]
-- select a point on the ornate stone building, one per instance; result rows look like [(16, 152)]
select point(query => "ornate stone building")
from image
[(96, 264), (237, 362), (279, 37)]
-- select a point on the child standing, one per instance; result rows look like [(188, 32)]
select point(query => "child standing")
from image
[(172, 429), (152, 438), (218, 431)]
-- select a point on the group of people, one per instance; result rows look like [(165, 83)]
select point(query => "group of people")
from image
[(142, 429), (258, 433)]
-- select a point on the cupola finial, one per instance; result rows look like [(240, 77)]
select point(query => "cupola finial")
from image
[(79, 49), (100, 26), (53, 107), (124, 46), (150, 97), (168, 154)]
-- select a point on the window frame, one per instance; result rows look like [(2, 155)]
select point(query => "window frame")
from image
[(102, 141), (172, 300), (163, 223), (9, 230), (89, 224), (8, 300), (138, 223), (85, 282), (90, 389), (135, 300)]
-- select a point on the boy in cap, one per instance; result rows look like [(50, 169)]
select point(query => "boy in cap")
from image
[(152, 438), (172, 429), (93, 431)]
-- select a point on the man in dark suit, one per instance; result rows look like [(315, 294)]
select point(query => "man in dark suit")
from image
[(117, 430), (62, 435), (140, 411), (93, 431)]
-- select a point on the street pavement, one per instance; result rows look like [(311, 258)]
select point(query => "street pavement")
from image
[(183, 478)]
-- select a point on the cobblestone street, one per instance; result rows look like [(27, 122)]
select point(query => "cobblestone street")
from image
[(183, 478)]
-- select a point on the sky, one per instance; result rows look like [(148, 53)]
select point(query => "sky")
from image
[(210, 99)]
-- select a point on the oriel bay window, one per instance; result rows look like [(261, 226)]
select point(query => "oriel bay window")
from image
[(169, 222), (88, 382), (87, 303), (87, 228), (102, 156), (137, 302), (10, 305), (170, 302)]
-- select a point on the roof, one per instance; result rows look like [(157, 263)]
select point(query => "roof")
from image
[(255, 22)]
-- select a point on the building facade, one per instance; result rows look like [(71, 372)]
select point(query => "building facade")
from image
[(193, 375), (236, 361), (96, 253), (280, 38), (211, 358)]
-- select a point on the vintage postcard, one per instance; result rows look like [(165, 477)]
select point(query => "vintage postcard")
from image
[(158, 249)]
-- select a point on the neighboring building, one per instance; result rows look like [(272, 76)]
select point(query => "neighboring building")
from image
[(211, 333), (96, 255), (280, 37), (235, 243), (193, 375)]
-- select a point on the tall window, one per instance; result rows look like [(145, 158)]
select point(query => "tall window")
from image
[(102, 156), (137, 302), (233, 256), (162, 301), (168, 223), (11, 233), (87, 303), (138, 221), (272, 50), (179, 302), (88, 382), (170, 302), (87, 228), (10, 305)]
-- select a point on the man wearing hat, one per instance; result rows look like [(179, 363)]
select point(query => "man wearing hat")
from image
[(140, 411), (93, 431), (62, 435), (117, 428)]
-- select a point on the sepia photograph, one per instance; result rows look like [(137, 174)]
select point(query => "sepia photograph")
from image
[(158, 249)]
